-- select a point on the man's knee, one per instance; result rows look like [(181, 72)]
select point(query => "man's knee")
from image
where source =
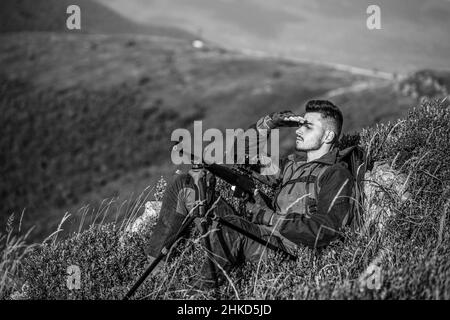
[(230, 234), (243, 224), (179, 193), (231, 218)]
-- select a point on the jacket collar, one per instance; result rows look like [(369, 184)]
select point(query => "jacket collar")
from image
[(328, 158)]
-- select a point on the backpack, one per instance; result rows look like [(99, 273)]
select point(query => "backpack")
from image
[(355, 159)]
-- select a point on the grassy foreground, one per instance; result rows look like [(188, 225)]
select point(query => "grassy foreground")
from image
[(412, 249)]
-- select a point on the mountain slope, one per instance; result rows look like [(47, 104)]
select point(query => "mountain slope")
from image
[(414, 33)]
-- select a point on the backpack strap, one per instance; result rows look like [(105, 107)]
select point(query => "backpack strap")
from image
[(311, 202), (300, 179), (308, 179), (289, 162), (311, 178)]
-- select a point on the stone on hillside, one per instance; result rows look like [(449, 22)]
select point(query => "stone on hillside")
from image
[(384, 187), (148, 217)]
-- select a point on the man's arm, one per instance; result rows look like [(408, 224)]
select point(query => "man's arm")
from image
[(263, 129), (322, 227)]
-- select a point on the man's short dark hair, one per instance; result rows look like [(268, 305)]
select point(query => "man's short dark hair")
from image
[(329, 112)]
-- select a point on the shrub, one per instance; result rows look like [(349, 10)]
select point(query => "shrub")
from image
[(104, 263)]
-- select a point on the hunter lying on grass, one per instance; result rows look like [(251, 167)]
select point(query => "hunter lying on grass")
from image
[(312, 203)]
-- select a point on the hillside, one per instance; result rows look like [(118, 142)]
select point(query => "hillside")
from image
[(414, 33)]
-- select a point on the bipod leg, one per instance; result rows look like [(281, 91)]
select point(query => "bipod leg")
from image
[(164, 251)]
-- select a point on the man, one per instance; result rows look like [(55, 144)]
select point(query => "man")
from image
[(312, 203)]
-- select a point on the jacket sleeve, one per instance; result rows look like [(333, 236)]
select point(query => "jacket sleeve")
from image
[(333, 203), (254, 147)]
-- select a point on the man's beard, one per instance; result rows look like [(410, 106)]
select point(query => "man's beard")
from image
[(305, 147)]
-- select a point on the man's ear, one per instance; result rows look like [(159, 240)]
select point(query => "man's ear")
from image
[(329, 136)]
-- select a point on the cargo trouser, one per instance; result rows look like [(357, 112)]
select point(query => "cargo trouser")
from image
[(229, 247)]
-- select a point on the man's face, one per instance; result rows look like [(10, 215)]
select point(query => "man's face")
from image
[(310, 136)]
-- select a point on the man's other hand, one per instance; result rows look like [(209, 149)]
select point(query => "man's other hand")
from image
[(258, 210)]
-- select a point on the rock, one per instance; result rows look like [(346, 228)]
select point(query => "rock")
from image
[(144, 221), (384, 188)]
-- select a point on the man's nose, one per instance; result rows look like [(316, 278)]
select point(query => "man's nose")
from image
[(299, 131)]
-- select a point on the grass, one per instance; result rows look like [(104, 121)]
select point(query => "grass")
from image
[(412, 249)]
